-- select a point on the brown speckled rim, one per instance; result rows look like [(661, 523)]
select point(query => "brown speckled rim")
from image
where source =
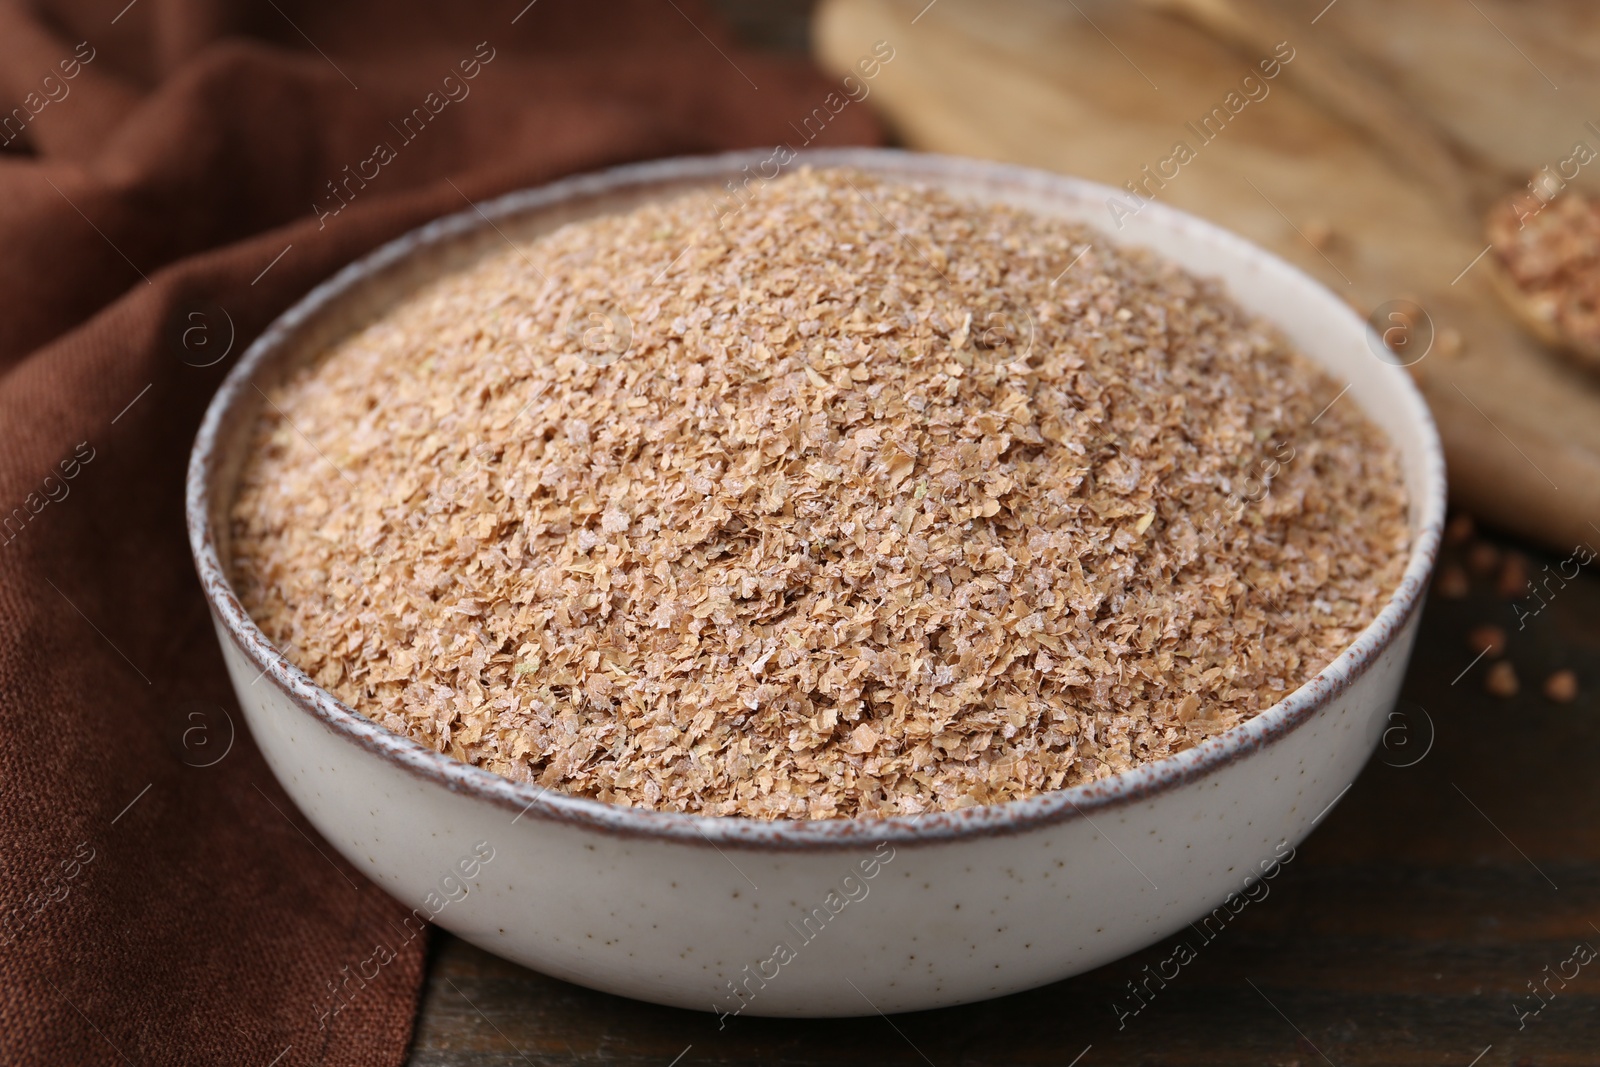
[(237, 399)]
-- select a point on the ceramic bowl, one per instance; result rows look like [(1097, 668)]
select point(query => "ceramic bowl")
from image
[(825, 917)]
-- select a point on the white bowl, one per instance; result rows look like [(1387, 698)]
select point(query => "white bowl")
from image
[(826, 917)]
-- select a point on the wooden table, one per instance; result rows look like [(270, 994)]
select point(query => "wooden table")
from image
[(1405, 931)]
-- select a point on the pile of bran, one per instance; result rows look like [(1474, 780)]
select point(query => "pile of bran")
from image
[(863, 502)]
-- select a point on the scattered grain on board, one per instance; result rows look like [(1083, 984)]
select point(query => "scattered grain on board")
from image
[(1319, 233), (879, 512), (1551, 257)]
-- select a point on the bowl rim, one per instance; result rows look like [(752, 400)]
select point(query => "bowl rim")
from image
[(1014, 816)]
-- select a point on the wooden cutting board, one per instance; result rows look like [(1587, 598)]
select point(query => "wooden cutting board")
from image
[(1103, 89), (1513, 83)]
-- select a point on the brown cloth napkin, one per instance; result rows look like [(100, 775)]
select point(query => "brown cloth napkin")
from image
[(167, 174)]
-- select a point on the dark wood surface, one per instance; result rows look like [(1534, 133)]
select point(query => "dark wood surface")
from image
[(1406, 931)]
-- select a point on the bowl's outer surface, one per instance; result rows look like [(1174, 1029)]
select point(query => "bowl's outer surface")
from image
[(837, 917)]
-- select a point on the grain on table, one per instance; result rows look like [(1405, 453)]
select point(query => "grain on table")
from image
[(877, 511)]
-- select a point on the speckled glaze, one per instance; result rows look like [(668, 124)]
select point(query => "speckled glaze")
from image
[(680, 909)]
